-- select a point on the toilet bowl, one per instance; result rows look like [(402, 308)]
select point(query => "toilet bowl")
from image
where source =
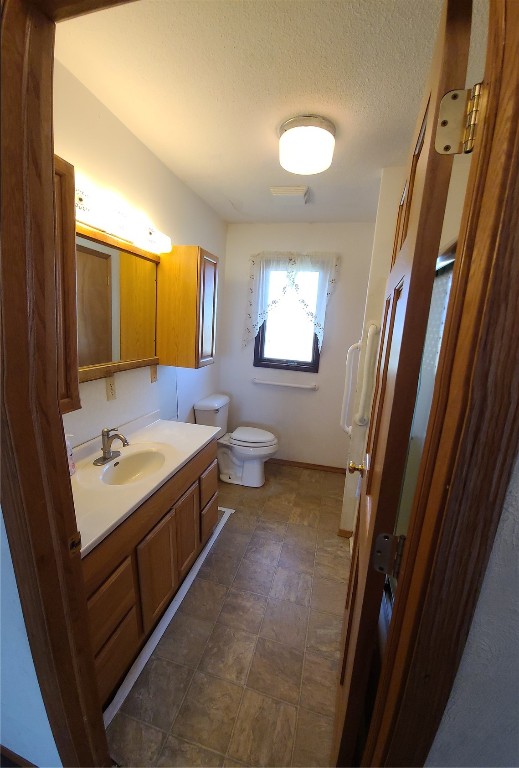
[(241, 454), (242, 460)]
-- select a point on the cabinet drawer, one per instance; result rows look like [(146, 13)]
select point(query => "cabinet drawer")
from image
[(208, 484), (110, 603), (209, 518), (117, 654)]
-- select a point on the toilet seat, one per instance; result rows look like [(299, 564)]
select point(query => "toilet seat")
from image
[(251, 437)]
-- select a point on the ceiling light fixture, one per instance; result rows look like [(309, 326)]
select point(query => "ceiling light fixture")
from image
[(306, 144)]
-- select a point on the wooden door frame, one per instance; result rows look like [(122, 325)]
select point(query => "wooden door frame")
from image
[(36, 496), (473, 433), (37, 502)]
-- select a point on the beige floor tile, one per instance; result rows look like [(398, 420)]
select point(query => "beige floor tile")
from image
[(292, 586), (254, 577), (324, 634), (185, 638), (228, 763), (328, 520), (319, 684), (204, 599), (297, 558), (208, 713), (263, 550), (276, 670), (264, 731), (221, 567), (313, 742), (304, 515), (271, 528), (231, 542), (177, 752), (332, 565), (243, 610), (275, 512), (228, 654), (132, 742), (286, 623), (301, 536), (329, 596), (244, 522), (158, 693)]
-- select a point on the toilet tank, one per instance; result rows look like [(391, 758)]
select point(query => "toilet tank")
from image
[(213, 411)]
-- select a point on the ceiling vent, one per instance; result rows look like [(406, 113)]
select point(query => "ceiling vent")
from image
[(290, 195)]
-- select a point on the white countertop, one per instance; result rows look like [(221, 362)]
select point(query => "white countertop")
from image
[(101, 507)]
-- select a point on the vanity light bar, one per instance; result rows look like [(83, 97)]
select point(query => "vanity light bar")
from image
[(106, 211)]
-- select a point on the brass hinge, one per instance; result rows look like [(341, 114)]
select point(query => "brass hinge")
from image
[(457, 121), (74, 543), (387, 554)]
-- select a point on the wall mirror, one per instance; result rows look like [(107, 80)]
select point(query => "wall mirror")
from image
[(116, 304)]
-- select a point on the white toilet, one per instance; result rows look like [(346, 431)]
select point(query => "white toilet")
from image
[(241, 454)]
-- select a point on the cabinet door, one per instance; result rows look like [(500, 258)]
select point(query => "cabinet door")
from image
[(65, 273), (187, 513), (158, 577), (207, 319)]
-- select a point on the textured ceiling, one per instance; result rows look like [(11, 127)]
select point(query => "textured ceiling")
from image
[(205, 85)]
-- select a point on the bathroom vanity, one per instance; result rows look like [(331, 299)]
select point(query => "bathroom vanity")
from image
[(142, 530)]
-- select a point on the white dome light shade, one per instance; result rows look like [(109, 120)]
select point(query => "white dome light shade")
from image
[(306, 144)]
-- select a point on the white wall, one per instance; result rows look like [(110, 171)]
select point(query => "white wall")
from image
[(24, 725), (306, 422), (90, 137), (391, 187), (480, 726)]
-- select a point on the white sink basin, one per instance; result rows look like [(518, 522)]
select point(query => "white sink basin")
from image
[(133, 467)]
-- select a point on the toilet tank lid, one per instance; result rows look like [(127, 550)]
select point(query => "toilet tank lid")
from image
[(252, 435), (211, 403)]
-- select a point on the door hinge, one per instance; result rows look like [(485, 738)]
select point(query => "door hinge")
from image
[(457, 121), (387, 554), (74, 543)]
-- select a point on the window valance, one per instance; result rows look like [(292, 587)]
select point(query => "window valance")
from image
[(288, 265)]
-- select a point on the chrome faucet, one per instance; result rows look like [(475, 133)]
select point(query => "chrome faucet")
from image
[(108, 439)]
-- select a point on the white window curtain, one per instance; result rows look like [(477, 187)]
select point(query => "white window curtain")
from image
[(258, 305)]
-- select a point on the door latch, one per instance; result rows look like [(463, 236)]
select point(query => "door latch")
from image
[(387, 554)]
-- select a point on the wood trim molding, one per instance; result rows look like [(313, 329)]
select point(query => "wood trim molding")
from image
[(8, 757), (304, 465), (97, 236), (474, 415), (102, 370), (344, 533), (37, 500)]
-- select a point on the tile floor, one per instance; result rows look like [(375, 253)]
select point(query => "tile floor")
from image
[(245, 674)]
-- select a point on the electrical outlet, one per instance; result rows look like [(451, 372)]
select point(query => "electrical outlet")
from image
[(111, 394)]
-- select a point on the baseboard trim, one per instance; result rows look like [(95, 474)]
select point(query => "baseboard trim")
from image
[(344, 533), (304, 465), (8, 757)]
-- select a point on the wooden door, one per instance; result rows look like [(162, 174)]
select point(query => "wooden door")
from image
[(138, 293), (187, 512), (408, 292), (94, 307), (208, 287), (158, 575)]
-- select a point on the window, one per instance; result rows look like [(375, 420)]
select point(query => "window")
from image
[(287, 338), (288, 294)]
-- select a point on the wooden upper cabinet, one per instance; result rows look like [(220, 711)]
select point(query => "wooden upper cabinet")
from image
[(187, 280), (65, 273)]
